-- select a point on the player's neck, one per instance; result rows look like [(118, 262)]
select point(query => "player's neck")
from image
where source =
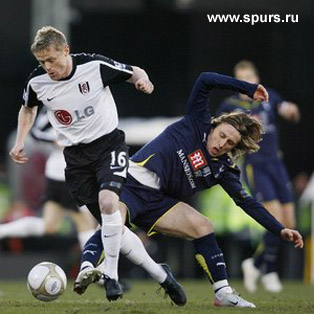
[(69, 67)]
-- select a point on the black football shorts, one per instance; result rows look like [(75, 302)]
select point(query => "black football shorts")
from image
[(101, 164)]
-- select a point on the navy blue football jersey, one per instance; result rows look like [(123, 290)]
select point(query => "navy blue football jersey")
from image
[(181, 161)]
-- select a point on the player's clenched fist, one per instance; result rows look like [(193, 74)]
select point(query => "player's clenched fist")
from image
[(144, 85), (292, 236), (261, 93)]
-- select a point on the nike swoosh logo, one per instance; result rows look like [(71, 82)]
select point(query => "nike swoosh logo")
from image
[(110, 235), (233, 303), (50, 99)]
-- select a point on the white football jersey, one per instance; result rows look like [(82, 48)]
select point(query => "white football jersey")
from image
[(43, 131), (80, 107)]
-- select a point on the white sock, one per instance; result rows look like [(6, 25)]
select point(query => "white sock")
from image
[(222, 286), (86, 264), (83, 237), (111, 232), (23, 227), (133, 249)]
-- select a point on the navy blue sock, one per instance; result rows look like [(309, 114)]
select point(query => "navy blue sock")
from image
[(210, 258), (93, 249), (272, 244), (266, 260), (259, 255)]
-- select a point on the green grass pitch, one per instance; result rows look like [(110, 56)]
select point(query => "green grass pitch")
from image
[(297, 298)]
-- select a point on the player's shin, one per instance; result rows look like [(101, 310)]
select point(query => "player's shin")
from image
[(92, 251), (272, 244), (133, 249), (111, 232), (91, 255), (210, 258), (84, 236)]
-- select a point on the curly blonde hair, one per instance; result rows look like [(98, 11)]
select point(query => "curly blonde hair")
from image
[(249, 128), (46, 37)]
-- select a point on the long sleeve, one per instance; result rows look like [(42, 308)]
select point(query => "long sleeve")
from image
[(198, 103), (232, 185)]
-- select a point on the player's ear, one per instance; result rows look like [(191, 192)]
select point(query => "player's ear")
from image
[(66, 50)]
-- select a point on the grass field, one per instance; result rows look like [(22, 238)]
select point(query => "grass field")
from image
[(297, 298)]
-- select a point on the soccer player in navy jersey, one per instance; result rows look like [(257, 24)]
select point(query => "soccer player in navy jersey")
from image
[(191, 155), (74, 88), (265, 174)]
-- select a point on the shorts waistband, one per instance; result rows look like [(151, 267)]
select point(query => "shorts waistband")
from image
[(107, 138)]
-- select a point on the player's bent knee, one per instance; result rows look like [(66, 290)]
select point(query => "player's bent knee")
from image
[(108, 205), (202, 228)]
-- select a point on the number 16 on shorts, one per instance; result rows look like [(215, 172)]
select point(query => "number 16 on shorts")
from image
[(119, 163)]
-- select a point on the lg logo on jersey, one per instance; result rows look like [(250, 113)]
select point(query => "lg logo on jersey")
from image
[(64, 117)]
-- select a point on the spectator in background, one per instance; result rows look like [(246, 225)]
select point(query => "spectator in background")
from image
[(57, 200), (266, 175)]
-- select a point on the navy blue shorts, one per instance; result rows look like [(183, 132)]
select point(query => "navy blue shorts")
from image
[(268, 181), (146, 205)]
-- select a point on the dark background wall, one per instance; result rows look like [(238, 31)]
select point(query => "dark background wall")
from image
[(174, 46)]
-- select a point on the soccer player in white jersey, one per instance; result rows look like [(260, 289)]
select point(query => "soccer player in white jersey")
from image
[(75, 90)]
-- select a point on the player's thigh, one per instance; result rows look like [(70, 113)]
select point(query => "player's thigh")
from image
[(111, 176), (81, 220), (184, 221), (112, 169), (82, 185), (53, 215), (288, 215)]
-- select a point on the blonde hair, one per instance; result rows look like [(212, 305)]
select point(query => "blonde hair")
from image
[(244, 65), (48, 36), (249, 128)]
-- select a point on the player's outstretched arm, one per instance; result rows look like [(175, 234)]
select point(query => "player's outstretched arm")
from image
[(292, 236), (25, 122), (141, 80), (261, 93)]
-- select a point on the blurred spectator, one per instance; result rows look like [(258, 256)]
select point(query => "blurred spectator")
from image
[(265, 174)]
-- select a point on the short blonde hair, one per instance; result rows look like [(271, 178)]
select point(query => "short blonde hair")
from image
[(48, 36), (244, 65), (249, 128)]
